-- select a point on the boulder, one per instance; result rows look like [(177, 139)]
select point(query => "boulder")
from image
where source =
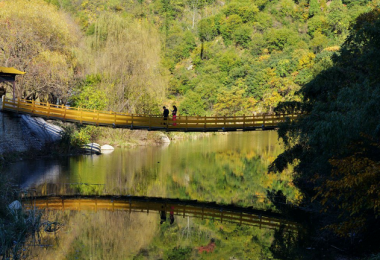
[(162, 138), (15, 205), (92, 148), (105, 149)]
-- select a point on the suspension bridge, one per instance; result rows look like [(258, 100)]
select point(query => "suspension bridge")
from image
[(192, 208), (148, 122)]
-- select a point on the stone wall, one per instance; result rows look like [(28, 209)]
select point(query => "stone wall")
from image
[(20, 133)]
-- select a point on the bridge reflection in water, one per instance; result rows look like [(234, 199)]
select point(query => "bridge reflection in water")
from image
[(203, 210)]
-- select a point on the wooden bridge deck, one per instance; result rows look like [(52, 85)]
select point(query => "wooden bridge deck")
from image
[(233, 214), (149, 122)]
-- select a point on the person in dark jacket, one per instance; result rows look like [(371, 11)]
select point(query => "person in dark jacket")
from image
[(166, 114)]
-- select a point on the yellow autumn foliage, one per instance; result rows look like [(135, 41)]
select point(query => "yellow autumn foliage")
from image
[(37, 39)]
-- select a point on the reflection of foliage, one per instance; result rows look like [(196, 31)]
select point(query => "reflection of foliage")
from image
[(285, 245), (16, 225), (231, 241), (178, 253)]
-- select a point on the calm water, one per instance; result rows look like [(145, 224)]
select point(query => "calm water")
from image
[(222, 168)]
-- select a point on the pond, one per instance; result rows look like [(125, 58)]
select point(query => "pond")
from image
[(223, 168)]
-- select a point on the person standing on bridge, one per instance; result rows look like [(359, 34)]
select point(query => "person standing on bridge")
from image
[(174, 114), (166, 114)]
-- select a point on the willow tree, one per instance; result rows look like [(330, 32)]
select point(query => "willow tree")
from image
[(38, 39), (126, 54)]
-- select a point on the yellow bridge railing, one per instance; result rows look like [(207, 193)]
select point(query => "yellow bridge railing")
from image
[(202, 211), (150, 122)]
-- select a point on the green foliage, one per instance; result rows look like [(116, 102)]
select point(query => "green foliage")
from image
[(89, 96), (178, 253), (207, 29), (193, 104), (229, 25), (242, 36), (314, 8), (243, 9), (337, 17), (279, 39)]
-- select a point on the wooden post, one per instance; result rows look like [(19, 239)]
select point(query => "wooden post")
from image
[(263, 126), (64, 115), (243, 121), (48, 105), (260, 222), (18, 104), (33, 106), (224, 123), (132, 122), (2, 103), (184, 211), (205, 123), (14, 87)]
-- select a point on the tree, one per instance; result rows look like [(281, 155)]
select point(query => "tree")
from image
[(314, 8), (337, 17), (37, 39), (336, 144), (233, 102)]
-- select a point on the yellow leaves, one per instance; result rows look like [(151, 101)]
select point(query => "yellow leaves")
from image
[(306, 60), (264, 57), (332, 48), (84, 4)]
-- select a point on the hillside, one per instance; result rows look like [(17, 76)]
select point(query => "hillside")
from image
[(206, 56)]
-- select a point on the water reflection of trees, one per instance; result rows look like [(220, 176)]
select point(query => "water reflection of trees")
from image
[(120, 235), (101, 235)]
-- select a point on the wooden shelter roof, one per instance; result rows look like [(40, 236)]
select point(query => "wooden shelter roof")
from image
[(13, 71), (9, 74)]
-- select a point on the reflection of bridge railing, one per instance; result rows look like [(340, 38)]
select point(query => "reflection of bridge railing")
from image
[(227, 213), (150, 122)]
